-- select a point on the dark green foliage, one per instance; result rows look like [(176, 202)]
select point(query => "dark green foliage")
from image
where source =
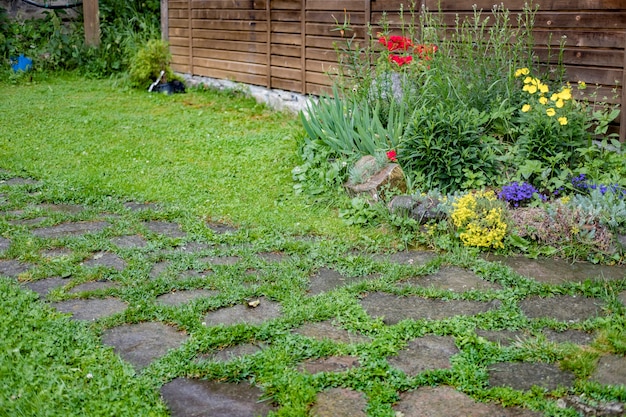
[(444, 144), (148, 63)]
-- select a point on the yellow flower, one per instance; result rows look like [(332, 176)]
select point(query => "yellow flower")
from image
[(528, 80), (582, 85), (543, 88), (526, 108), (543, 100), (565, 94), (522, 71), (562, 120), (554, 97), (550, 112), (559, 103), (532, 89)]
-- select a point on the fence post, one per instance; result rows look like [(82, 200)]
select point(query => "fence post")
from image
[(622, 121), (268, 40), (303, 45), (190, 29), (91, 19), (165, 27)]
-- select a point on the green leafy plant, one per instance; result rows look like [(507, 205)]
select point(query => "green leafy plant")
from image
[(444, 144), (147, 64)]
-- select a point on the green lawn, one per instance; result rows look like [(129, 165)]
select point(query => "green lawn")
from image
[(216, 154)]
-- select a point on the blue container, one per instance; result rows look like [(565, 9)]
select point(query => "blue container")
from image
[(21, 63)]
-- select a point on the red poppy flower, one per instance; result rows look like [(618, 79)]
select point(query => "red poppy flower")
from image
[(391, 155), (401, 60)]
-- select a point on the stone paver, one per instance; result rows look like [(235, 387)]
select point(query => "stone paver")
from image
[(142, 343), (184, 296), (56, 253), (622, 298), (168, 229), (567, 308), (331, 364), (454, 279), (523, 376), (610, 369), (559, 271), (90, 309), (129, 242), (577, 337), (326, 330), (394, 309), (62, 208), (194, 398), (339, 402), (327, 279), (12, 268), (502, 337), (232, 352), (71, 229), (221, 228), (221, 260), (411, 257), (106, 260), (425, 353), (44, 286), (4, 244), (228, 316), (444, 401)]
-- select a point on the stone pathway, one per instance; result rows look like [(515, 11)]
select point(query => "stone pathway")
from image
[(149, 255)]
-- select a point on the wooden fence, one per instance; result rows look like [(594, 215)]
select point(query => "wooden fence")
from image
[(290, 44)]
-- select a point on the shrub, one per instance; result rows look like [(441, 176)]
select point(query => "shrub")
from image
[(148, 63), (443, 144)]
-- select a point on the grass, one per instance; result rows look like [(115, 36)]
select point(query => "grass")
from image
[(220, 156), (217, 154)]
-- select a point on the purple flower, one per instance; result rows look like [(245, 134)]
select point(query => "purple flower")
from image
[(518, 193)]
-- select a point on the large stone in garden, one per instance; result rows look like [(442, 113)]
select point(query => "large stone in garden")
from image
[(523, 376), (425, 353), (393, 309), (339, 402), (445, 401), (376, 181), (142, 343), (194, 397), (421, 209)]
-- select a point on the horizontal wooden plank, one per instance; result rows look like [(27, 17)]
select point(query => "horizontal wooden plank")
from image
[(253, 58), (321, 54), (581, 56), (287, 73), (286, 15), (241, 77), (228, 4), (178, 23), (286, 5), (355, 18), (255, 47), (178, 40), (230, 25), (286, 39), (286, 50), (287, 85), (582, 38), (594, 75), (178, 14), (455, 5), (348, 5), (318, 90), (230, 14), (285, 61), (221, 64), (321, 66), (219, 35)]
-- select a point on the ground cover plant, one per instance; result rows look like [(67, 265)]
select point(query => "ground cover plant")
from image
[(56, 366), (468, 108)]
